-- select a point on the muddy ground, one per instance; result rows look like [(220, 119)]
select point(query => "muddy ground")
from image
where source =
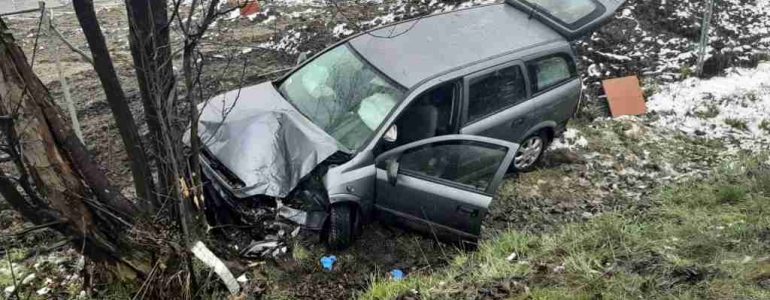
[(571, 185)]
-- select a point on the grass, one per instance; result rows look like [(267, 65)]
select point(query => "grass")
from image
[(737, 124), (706, 239), (686, 72), (765, 125), (731, 194), (710, 112), (752, 96)]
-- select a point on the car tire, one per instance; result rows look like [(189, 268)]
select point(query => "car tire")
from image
[(530, 152), (341, 227)]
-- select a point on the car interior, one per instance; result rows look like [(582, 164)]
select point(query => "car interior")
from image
[(499, 89), (428, 116)]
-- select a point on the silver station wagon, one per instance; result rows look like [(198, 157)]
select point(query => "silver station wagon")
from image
[(414, 123)]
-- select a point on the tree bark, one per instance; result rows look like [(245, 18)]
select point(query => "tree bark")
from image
[(151, 52), (64, 178), (140, 168)]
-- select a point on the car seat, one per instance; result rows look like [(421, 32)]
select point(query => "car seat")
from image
[(418, 123)]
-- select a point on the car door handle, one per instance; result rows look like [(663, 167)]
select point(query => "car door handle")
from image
[(468, 210)]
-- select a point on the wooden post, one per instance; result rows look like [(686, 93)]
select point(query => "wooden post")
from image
[(704, 36)]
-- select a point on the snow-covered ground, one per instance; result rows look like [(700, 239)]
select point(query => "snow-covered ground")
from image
[(734, 108), (659, 38)]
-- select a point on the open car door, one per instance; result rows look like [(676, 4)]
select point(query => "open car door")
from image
[(572, 18), (442, 186)]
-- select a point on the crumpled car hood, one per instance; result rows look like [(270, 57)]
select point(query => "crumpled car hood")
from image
[(262, 139)]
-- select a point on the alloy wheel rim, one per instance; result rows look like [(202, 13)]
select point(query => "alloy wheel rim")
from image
[(528, 152)]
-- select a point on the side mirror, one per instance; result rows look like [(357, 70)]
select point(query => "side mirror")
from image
[(392, 170), (391, 136)]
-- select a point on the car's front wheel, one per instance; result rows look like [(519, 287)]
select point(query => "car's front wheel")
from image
[(530, 152), (340, 230)]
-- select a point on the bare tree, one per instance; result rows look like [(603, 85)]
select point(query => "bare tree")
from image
[(151, 52), (52, 180), (59, 185), (140, 169)]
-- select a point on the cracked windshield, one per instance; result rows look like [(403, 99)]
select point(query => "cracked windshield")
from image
[(343, 95)]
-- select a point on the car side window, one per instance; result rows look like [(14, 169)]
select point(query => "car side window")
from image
[(495, 91), (469, 164), (550, 71)]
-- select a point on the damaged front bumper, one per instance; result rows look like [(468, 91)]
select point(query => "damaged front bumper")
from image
[(225, 204)]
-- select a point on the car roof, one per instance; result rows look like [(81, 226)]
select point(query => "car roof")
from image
[(413, 51)]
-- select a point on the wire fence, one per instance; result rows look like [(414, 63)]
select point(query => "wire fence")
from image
[(15, 7), (45, 28)]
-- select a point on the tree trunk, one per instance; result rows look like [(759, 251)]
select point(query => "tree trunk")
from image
[(151, 52), (140, 169), (56, 173)]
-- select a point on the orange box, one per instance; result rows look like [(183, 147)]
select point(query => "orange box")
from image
[(625, 96), (251, 7)]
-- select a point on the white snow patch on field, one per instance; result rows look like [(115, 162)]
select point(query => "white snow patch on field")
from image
[(342, 30), (719, 107), (571, 139)]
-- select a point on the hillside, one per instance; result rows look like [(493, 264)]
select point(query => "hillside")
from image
[(666, 205)]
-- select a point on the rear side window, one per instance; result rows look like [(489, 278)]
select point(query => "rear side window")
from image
[(550, 71), (495, 91)]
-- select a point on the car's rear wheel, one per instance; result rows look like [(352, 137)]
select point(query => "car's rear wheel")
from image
[(341, 227), (530, 152)]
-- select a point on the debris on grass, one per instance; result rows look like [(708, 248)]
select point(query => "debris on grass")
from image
[(212, 261), (327, 262), (397, 275), (261, 249)]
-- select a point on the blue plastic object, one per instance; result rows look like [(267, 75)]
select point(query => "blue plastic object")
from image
[(397, 275), (327, 262)]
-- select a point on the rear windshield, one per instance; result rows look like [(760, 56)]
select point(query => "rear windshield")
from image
[(567, 11)]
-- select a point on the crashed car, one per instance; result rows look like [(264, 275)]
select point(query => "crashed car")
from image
[(415, 123)]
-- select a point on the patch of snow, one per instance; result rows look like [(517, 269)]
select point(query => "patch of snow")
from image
[(9, 290), (28, 279), (342, 30), (288, 43), (614, 56), (571, 139), (43, 291), (719, 107), (269, 19)]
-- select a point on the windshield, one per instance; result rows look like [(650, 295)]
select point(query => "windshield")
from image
[(567, 11), (343, 95)]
